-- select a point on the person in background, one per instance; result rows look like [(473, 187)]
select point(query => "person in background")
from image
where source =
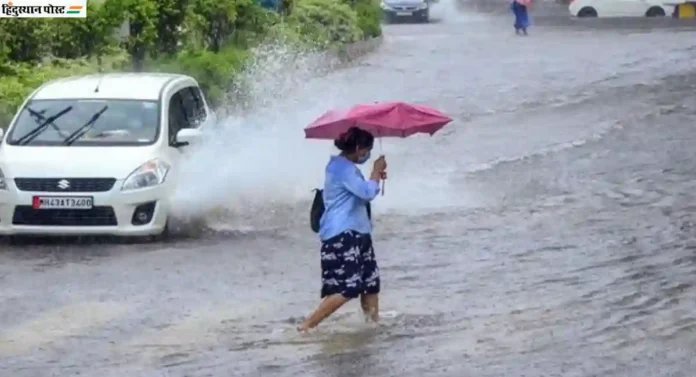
[(348, 265), (520, 9)]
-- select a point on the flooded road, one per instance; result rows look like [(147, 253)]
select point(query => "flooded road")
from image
[(549, 231)]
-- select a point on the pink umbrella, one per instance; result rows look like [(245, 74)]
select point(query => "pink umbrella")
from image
[(390, 119)]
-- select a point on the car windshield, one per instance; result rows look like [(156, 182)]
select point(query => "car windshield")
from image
[(86, 122)]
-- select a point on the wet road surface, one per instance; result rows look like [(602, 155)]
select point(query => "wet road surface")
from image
[(549, 232)]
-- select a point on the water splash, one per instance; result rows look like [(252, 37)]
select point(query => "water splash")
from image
[(256, 156)]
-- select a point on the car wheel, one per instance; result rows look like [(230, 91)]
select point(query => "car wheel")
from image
[(655, 12), (587, 12)]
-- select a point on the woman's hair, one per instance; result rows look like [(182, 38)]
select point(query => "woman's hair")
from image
[(355, 137)]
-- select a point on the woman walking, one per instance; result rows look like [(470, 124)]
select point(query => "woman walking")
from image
[(520, 8), (348, 266)]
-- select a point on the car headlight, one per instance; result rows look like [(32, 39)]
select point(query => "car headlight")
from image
[(151, 173), (3, 183), (384, 5), (423, 6)]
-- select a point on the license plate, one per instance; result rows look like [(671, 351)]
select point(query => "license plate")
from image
[(404, 13), (62, 202)]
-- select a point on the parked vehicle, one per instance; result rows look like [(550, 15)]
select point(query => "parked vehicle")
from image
[(397, 10), (683, 8), (619, 8), (98, 154)]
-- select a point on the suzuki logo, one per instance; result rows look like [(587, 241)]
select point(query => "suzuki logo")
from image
[(63, 184)]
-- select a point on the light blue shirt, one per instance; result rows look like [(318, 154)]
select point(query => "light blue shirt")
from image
[(346, 193)]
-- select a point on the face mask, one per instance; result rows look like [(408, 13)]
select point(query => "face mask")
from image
[(364, 158)]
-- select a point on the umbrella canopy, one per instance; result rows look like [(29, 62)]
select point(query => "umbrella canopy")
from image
[(384, 119)]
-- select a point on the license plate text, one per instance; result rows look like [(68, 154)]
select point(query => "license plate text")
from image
[(62, 202)]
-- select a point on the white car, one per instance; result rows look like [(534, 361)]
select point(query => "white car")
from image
[(619, 8), (98, 154)]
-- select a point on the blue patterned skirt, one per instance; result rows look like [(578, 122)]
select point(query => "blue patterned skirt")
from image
[(348, 265)]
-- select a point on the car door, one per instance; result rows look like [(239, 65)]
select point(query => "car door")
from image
[(612, 8), (633, 8), (185, 110)]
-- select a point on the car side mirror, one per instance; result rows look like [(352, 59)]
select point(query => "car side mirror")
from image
[(187, 136)]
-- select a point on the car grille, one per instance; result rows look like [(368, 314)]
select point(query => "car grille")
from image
[(97, 216), (404, 7), (57, 184)]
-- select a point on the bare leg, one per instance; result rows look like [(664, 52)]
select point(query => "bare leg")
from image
[(327, 307), (370, 306)]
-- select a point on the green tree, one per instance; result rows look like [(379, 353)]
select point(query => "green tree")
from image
[(171, 15), (215, 22), (141, 16), (26, 39), (91, 36)]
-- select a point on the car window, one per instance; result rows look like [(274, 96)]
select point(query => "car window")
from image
[(200, 114), (109, 122), (186, 110)]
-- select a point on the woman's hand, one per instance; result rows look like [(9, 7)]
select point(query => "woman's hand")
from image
[(378, 169), (380, 164)]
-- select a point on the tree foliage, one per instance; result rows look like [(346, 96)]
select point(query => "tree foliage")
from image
[(171, 15)]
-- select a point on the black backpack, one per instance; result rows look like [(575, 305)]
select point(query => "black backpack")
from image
[(318, 209)]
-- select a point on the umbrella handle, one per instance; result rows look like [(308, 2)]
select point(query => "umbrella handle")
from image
[(384, 180)]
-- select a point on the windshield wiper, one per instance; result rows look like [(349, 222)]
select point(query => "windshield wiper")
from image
[(40, 117), (73, 137), (31, 135)]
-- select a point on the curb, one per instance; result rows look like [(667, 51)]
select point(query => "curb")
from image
[(348, 53), (359, 49)]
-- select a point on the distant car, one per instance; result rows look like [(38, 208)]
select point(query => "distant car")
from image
[(98, 154), (395, 10), (619, 8)]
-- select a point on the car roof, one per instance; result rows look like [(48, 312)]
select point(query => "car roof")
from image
[(133, 86)]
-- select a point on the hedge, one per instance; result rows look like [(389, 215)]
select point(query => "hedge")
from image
[(207, 39)]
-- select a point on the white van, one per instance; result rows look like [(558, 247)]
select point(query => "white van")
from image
[(619, 8), (98, 154)]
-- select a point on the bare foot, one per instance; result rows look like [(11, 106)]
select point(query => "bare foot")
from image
[(303, 329)]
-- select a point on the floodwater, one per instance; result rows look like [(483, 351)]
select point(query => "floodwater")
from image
[(549, 231)]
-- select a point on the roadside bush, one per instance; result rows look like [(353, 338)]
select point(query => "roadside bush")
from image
[(215, 72), (323, 22), (369, 17)]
